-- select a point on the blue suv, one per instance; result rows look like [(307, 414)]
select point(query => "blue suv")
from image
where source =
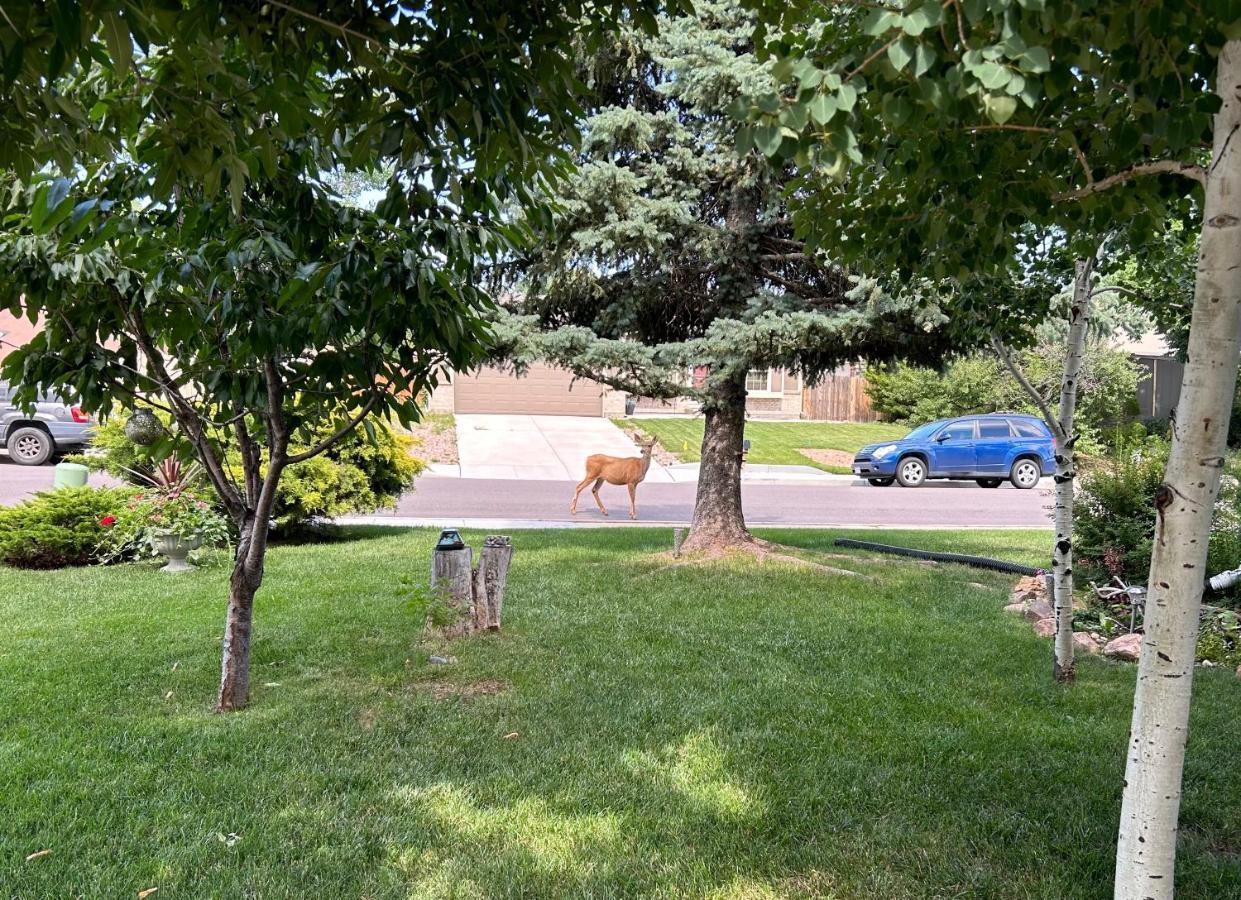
[(988, 449)]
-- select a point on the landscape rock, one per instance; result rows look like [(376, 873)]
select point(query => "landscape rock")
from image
[(1127, 647), (1031, 587), (442, 660), (1038, 609), (1239, 671), (1045, 627), (1085, 642), (1017, 609)]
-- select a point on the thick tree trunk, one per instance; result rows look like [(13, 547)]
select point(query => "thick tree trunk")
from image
[(718, 521), (1146, 849), (235, 660), (1064, 668)]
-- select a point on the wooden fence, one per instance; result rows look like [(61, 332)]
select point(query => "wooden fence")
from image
[(838, 398)]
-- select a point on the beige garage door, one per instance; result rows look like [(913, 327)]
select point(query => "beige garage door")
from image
[(543, 390)]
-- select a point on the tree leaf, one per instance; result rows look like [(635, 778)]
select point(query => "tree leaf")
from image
[(999, 108), (900, 53), (120, 47)]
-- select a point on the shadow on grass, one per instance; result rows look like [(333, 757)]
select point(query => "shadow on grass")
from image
[(731, 731)]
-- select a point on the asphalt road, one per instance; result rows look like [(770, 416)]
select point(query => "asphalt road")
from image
[(847, 503), (842, 502)]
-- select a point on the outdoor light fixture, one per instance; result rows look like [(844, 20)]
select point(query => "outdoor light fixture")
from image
[(450, 539)]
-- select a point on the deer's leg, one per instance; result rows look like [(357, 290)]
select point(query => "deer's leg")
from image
[(595, 491), (576, 492), (633, 500)]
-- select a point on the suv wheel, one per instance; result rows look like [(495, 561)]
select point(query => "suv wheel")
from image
[(911, 471), (989, 482), (1025, 474), (30, 446)]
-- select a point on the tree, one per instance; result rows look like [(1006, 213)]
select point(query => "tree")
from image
[(671, 268), (250, 332), (189, 256), (1067, 114)]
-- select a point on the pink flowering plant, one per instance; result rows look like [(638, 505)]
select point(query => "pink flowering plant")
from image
[(168, 505)]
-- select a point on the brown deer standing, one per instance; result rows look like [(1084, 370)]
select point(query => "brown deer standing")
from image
[(626, 470)]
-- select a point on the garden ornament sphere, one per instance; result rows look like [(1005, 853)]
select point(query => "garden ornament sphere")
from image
[(143, 428)]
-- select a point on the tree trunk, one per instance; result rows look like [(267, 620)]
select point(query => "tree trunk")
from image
[(1063, 668), (1146, 849), (235, 661), (718, 520)]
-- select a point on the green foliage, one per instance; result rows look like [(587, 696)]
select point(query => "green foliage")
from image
[(1114, 516), (66, 527), (957, 123), (980, 383), (150, 511), (670, 251), (1115, 510), (363, 472)]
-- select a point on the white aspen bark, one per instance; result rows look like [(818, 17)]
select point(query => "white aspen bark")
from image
[(1146, 848), (1064, 669)]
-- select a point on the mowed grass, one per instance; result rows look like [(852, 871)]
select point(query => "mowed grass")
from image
[(731, 730), (772, 443)]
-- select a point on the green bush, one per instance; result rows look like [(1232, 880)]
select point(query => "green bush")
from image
[(66, 527), (1115, 511), (356, 475), (981, 384)]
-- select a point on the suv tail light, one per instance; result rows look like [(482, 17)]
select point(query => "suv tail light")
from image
[(78, 416)]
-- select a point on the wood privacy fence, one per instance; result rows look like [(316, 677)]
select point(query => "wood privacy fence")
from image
[(838, 398)]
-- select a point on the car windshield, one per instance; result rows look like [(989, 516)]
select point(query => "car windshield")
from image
[(923, 431)]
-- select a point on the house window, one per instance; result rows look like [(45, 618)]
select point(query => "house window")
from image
[(758, 381), (763, 382)]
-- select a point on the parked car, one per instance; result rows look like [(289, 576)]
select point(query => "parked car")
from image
[(52, 426), (988, 449)]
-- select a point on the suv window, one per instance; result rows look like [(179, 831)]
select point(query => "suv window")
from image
[(1026, 428), (958, 431), (993, 428)]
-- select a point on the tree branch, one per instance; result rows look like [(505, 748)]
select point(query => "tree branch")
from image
[(1012, 365), (1154, 167), (329, 442)]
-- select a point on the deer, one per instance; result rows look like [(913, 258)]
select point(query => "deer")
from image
[(626, 470)]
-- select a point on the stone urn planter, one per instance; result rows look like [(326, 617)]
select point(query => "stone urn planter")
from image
[(175, 548)]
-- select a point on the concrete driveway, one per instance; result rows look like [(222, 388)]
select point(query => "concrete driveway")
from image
[(539, 448)]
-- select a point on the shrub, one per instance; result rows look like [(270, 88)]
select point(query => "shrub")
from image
[(1115, 510), (359, 474), (1107, 393), (66, 527)]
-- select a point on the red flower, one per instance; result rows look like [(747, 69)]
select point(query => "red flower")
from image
[(108, 521)]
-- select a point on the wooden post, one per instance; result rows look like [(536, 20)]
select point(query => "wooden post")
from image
[(490, 583), (678, 537), (451, 579), (474, 594)]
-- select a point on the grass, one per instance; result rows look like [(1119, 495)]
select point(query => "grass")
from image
[(772, 443), (731, 731)]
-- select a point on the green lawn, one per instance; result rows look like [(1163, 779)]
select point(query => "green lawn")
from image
[(730, 731), (772, 443)]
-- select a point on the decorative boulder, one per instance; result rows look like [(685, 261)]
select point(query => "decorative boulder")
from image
[(1038, 609), (1017, 609), (1084, 642), (1045, 627), (1127, 647), (143, 428)]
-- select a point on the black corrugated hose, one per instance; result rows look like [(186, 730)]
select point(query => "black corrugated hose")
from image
[(980, 562)]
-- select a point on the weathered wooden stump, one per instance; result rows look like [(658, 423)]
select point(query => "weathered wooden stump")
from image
[(474, 594)]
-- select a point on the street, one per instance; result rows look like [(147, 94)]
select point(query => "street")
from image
[(839, 502), (844, 502)]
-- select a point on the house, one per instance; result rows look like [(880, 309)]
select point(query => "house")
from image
[(548, 390), (14, 332), (1159, 386)]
